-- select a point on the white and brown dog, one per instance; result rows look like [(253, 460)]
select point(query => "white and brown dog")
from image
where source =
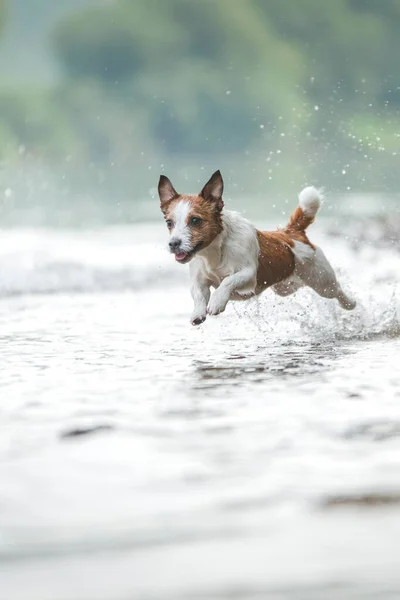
[(228, 253)]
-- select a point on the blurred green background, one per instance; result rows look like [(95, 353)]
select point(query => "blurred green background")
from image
[(98, 97)]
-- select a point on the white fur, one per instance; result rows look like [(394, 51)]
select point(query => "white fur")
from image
[(313, 269), (181, 229), (303, 252), (229, 264), (310, 200)]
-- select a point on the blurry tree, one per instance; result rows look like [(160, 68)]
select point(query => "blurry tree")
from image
[(351, 46), (207, 75), (311, 81), (2, 14)]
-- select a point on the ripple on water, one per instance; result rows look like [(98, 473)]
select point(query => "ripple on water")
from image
[(134, 444)]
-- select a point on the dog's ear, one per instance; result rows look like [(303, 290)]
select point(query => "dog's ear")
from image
[(166, 191), (214, 189)]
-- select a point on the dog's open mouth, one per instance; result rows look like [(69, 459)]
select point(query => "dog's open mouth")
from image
[(183, 257)]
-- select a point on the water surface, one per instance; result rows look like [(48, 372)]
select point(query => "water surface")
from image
[(256, 456)]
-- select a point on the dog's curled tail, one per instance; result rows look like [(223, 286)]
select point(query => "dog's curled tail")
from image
[(310, 200)]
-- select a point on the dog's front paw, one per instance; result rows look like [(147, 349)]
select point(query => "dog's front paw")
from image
[(197, 319), (216, 305)]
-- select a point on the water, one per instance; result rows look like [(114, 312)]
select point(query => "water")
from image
[(254, 457)]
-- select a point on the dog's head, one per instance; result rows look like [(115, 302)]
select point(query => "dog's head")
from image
[(193, 221)]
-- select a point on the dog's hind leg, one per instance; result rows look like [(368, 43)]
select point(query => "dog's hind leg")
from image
[(344, 300), (287, 287), (317, 273)]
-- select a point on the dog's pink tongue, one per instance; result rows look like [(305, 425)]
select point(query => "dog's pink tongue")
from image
[(180, 255)]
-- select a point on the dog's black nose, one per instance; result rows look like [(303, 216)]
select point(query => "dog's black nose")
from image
[(175, 244)]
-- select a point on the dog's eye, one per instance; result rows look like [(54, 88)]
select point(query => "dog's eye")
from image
[(195, 221), (169, 223)]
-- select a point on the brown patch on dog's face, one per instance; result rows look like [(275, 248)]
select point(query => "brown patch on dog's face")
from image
[(193, 221), (205, 221)]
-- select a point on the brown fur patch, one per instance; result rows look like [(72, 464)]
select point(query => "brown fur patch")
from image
[(211, 221), (275, 260), (298, 224), (298, 236)]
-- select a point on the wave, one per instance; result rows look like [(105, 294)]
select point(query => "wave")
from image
[(134, 258), (57, 262)]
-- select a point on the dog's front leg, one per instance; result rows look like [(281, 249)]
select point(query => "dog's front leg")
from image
[(244, 280), (200, 291)]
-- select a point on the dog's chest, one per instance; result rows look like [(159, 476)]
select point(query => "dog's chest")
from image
[(216, 272), (215, 267), (236, 249)]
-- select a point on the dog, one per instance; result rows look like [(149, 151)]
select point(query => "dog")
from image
[(228, 253)]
